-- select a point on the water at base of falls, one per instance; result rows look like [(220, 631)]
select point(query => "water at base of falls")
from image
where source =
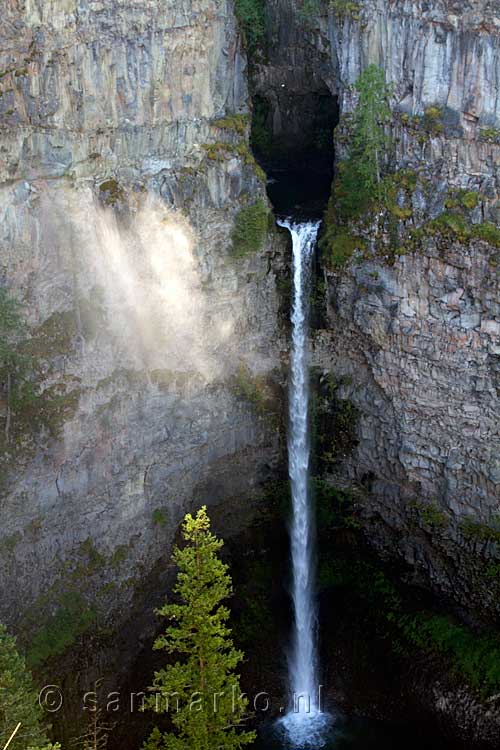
[(304, 725), (363, 734), (303, 730)]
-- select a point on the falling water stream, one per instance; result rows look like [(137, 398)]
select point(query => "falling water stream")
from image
[(304, 723)]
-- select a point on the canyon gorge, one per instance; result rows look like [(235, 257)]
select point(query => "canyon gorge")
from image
[(144, 147)]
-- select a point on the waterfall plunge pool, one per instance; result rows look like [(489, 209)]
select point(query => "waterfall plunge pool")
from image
[(359, 734)]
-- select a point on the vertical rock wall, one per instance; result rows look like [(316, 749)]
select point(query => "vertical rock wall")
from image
[(418, 333), (412, 331), (140, 316)]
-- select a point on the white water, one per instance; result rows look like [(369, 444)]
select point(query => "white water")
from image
[(304, 723)]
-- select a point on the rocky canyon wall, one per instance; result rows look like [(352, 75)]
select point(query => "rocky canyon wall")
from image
[(413, 327), (121, 183), (125, 166)]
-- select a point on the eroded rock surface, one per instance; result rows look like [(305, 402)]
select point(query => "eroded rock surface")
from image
[(140, 317)]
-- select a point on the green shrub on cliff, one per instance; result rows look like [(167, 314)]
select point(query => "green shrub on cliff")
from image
[(472, 657), (251, 15), (477, 531), (71, 619), (432, 120), (430, 514), (250, 229), (457, 227), (487, 232), (209, 710), (237, 123), (346, 8), (490, 134)]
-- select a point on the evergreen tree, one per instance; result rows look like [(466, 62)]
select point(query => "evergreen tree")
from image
[(360, 174), (372, 112), (18, 700), (202, 688)]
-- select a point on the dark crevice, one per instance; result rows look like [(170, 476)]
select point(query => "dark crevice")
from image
[(292, 139)]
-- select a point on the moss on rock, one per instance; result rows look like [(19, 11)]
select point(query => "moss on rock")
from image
[(250, 229)]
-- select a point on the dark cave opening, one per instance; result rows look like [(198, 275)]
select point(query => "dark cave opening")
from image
[(292, 139)]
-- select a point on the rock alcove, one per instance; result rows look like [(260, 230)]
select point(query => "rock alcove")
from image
[(292, 138)]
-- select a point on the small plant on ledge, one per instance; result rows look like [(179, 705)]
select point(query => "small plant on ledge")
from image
[(250, 229), (236, 123), (346, 8), (430, 514)]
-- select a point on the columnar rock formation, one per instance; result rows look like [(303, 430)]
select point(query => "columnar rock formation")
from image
[(103, 106), (424, 328), (413, 326)]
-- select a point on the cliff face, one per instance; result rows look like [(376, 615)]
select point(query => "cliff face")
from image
[(428, 317), (412, 327), (438, 54), (412, 330), (118, 201), (105, 106), (416, 344)]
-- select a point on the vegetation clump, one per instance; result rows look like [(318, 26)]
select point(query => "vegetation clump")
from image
[(359, 178), (250, 229), (478, 531), (487, 232), (95, 561), (346, 8), (457, 227), (471, 656), (219, 152), (119, 556), (257, 391), (209, 710), (159, 517), (334, 506), (341, 244), (430, 514), (463, 199), (432, 120), (399, 618), (236, 123), (251, 15), (492, 135), (72, 618), (111, 192), (334, 422)]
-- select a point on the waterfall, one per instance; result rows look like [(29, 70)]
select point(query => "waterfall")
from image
[(304, 721)]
